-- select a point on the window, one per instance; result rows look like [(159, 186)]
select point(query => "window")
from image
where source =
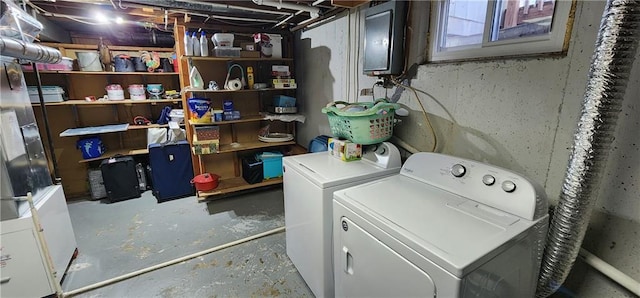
[(493, 28)]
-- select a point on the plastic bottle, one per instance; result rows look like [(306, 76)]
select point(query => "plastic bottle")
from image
[(188, 44), (250, 76), (204, 46), (196, 44)]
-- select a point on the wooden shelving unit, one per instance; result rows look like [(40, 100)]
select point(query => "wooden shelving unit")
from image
[(197, 58), (231, 185), (102, 73), (240, 91), (77, 112), (79, 102), (238, 138)]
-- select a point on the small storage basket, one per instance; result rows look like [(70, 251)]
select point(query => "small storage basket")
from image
[(363, 123)]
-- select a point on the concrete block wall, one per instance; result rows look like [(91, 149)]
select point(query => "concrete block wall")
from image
[(516, 113)]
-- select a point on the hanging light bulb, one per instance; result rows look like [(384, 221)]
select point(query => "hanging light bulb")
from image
[(119, 20)]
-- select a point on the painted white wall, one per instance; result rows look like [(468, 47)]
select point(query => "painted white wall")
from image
[(321, 70), (519, 114)]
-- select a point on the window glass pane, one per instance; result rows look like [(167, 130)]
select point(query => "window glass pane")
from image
[(464, 23), (522, 18)]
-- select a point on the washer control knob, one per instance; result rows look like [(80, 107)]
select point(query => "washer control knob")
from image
[(488, 180), (458, 170), (508, 186)]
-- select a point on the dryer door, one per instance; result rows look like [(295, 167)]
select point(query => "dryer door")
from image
[(366, 267)]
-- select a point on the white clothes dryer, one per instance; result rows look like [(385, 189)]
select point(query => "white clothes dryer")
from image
[(443, 227), (309, 183)]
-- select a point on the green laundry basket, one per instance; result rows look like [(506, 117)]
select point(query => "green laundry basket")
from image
[(363, 123)]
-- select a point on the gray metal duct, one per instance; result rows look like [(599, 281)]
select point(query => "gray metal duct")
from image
[(610, 67), (34, 52), (204, 6)]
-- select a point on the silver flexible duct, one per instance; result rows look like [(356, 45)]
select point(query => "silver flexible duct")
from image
[(34, 52), (610, 67)]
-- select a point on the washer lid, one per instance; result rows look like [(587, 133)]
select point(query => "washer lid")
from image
[(456, 233), (326, 171)]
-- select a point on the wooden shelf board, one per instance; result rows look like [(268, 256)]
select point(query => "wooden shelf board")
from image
[(227, 186), (244, 119), (77, 102), (134, 127), (79, 72), (73, 46), (112, 153), (226, 148), (197, 58), (238, 91)]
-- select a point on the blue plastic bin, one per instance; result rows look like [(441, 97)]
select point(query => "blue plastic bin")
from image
[(284, 101), (271, 164)]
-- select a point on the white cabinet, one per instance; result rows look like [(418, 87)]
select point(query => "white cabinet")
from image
[(23, 267), (24, 270)]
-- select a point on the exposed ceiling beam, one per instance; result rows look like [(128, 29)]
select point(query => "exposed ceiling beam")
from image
[(52, 32)]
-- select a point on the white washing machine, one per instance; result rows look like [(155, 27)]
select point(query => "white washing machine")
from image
[(309, 183), (442, 227)]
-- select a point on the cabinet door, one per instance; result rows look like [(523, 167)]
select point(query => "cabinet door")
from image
[(366, 267), (24, 272)]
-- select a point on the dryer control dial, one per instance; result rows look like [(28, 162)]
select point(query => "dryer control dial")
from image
[(508, 186), (458, 170)]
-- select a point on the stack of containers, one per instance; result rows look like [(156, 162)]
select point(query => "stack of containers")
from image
[(223, 45)]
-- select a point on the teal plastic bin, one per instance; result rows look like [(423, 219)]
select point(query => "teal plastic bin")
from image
[(271, 164)]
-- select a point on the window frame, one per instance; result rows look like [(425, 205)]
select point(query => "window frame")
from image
[(554, 42)]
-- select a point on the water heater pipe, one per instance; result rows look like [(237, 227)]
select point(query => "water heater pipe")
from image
[(608, 77)]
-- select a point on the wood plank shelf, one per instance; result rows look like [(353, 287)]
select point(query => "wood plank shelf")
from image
[(79, 72), (79, 102), (238, 91), (228, 186), (244, 119), (112, 153), (198, 58), (228, 148)]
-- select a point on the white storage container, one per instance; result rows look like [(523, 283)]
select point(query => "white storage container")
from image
[(177, 115), (276, 41), (49, 94), (226, 52)]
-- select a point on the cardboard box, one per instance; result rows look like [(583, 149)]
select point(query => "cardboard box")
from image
[(249, 46), (205, 147), (249, 54), (344, 150)]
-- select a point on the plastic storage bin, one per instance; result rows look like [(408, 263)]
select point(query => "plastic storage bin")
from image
[(284, 101), (252, 170), (49, 94), (65, 64), (226, 52), (271, 164)]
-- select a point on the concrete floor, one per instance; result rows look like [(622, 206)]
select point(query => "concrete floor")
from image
[(115, 239)]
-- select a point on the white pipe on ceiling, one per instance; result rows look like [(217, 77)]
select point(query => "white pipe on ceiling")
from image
[(313, 11)]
